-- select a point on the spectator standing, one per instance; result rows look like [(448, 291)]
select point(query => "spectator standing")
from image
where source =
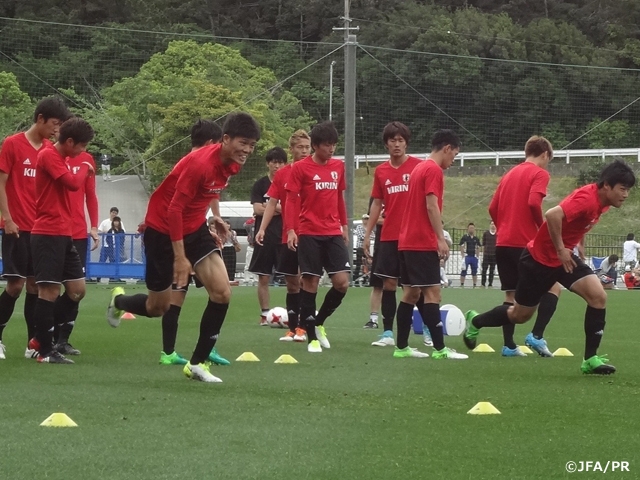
[(630, 249), (469, 247), (360, 256), (104, 228), (105, 164), (488, 255)]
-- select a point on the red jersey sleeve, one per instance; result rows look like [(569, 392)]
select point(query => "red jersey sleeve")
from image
[(274, 188), (540, 183), (576, 205), (6, 156), (343, 183), (377, 188), (294, 183), (187, 185), (91, 198), (53, 164), (433, 182)]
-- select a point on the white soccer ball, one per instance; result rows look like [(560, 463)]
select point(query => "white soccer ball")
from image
[(278, 318), (453, 321)]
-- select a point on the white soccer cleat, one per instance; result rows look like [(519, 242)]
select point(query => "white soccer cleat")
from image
[(314, 347), (200, 372), (3, 350), (321, 334), (30, 353), (300, 335), (288, 337), (386, 339), (448, 353)]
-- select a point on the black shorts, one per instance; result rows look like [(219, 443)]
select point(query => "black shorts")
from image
[(287, 262), (159, 252), (419, 269), (322, 251), (265, 257), (507, 259), (536, 279), (82, 246), (55, 259), (16, 255), (388, 264)]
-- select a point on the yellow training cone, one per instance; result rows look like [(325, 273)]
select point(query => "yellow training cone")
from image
[(525, 349), (58, 420), (562, 352), (483, 408), (483, 348), (285, 359), (247, 357)]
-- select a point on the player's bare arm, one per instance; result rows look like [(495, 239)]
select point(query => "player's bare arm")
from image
[(554, 217), (435, 218), (94, 236), (10, 228), (181, 266), (221, 231), (374, 216)]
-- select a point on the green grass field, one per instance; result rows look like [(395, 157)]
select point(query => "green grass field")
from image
[(352, 412)]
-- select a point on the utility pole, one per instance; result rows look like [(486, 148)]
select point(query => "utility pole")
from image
[(349, 113)]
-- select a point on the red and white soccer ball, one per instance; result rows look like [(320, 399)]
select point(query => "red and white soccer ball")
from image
[(278, 318)]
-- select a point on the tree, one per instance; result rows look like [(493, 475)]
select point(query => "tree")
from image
[(16, 107)]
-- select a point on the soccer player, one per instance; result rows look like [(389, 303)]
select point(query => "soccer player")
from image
[(299, 147), (316, 223), (375, 282), (177, 239), (18, 158), (548, 259), (391, 188), (86, 194), (203, 133), (55, 258), (421, 244), (265, 254), (516, 209), (469, 246)]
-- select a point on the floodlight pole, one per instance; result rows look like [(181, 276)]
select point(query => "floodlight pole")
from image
[(331, 90)]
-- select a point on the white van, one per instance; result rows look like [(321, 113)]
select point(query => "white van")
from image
[(237, 213)]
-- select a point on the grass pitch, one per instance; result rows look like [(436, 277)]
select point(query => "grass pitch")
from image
[(352, 412)]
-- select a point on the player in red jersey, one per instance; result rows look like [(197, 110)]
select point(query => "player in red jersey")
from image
[(18, 207), (516, 209), (391, 189), (177, 239), (548, 259), (86, 194), (55, 259), (316, 223), (203, 133), (421, 244), (299, 147)]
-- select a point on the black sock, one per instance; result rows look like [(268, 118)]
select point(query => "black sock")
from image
[(594, 322), (388, 308), (136, 304), (508, 331), (210, 325), (7, 304), (170, 329), (546, 309), (431, 318), (293, 310), (332, 300), (65, 330), (493, 318), (30, 301), (404, 321), (308, 313), (44, 325)]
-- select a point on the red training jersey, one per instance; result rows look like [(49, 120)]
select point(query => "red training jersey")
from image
[(321, 189), (416, 232), (391, 185), (53, 206), (18, 160), (85, 194), (511, 207), (582, 210), (278, 190), (179, 205)]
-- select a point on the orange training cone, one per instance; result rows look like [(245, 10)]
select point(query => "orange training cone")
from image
[(128, 316)]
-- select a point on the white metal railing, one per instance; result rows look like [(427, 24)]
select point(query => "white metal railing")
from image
[(497, 156)]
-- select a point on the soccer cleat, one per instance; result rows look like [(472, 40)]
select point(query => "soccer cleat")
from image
[(263, 321), (217, 359), (54, 357), (470, 334), (512, 352), (200, 372), (448, 353), (321, 334), (3, 350), (597, 365), (385, 339), (66, 348), (371, 324), (30, 353), (300, 335), (538, 345), (174, 359), (426, 337), (408, 352), (314, 347), (289, 336), (113, 313)]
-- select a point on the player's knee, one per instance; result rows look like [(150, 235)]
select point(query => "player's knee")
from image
[(14, 289), (221, 296), (520, 316), (410, 296), (598, 299)]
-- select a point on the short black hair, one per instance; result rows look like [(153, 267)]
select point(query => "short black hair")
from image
[(630, 236), (114, 209), (396, 128), (613, 258), (471, 224), (51, 107), (324, 132), (276, 154), (617, 172), (241, 124), (442, 138), (203, 131), (76, 129)]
